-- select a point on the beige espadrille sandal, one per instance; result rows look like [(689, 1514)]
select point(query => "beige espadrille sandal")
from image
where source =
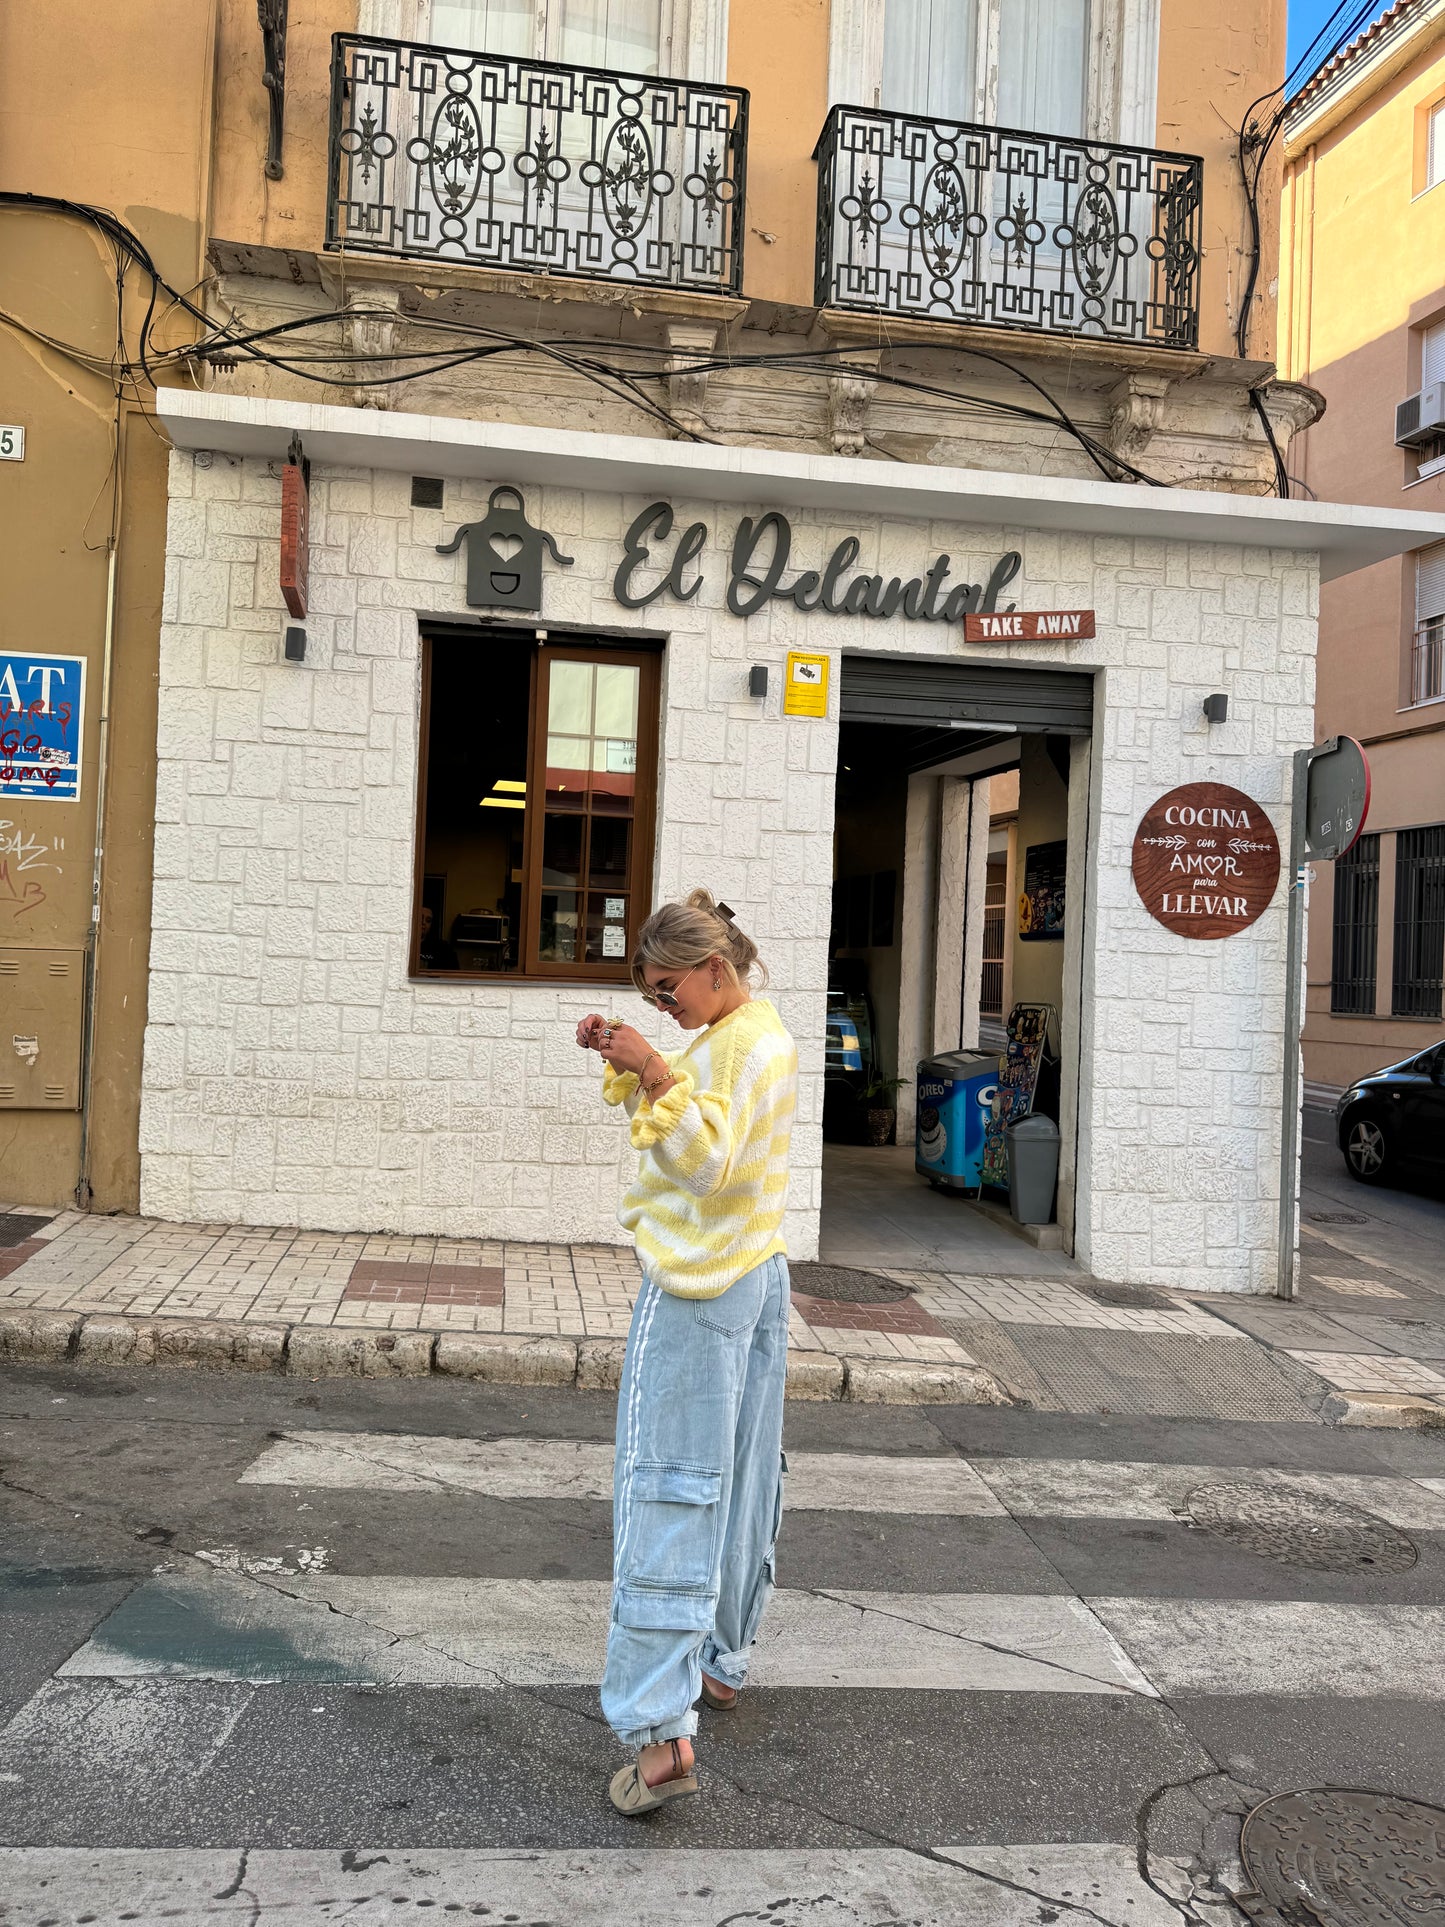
[(631, 1795)]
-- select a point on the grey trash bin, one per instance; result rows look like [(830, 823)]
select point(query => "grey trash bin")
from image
[(1033, 1169)]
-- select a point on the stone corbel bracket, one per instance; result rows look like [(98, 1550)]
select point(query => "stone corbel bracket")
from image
[(850, 397), (369, 329), (1292, 407), (1136, 407), (689, 342)]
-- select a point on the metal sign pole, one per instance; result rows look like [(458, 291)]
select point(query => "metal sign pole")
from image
[(1289, 1136)]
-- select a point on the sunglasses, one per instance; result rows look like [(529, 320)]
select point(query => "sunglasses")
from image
[(667, 999)]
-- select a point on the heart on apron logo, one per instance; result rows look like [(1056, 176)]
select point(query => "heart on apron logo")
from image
[(504, 547)]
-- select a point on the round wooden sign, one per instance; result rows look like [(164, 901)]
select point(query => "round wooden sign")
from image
[(1206, 860)]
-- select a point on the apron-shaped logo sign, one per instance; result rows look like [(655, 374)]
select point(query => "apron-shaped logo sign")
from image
[(504, 555), (1206, 860)]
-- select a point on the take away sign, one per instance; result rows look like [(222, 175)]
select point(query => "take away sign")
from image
[(1030, 625)]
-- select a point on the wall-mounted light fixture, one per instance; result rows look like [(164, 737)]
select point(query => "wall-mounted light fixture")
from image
[(758, 679), (295, 645), (1216, 708)]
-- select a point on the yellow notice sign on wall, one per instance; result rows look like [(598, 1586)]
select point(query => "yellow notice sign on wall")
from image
[(805, 692)]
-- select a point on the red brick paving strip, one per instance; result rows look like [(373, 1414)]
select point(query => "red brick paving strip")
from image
[(12, 1257), (423, 1284), (902, 1316)]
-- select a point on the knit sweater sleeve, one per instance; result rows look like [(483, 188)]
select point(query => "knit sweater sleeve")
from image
[(621, 1087), (692, 1133)]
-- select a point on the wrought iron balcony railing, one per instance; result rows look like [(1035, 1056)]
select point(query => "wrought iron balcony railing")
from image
[(952, 222), (527, 164), (1427, 664)]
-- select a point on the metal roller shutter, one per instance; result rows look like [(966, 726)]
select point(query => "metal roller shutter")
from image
[(883, 689)]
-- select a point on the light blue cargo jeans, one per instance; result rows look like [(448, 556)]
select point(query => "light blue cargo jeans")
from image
[(697, 1497)]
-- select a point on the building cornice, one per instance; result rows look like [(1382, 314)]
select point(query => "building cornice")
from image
[(1385, 51), (1344, 535)]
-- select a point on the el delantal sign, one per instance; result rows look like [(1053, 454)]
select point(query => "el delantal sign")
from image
[(505, 555)]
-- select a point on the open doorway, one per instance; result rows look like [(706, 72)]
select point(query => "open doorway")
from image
[(959, 852)]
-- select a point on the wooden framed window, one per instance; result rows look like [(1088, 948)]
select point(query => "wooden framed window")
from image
[(536, 806)]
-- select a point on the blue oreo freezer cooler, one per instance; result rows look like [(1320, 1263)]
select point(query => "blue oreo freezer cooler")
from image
[(955, 1095)]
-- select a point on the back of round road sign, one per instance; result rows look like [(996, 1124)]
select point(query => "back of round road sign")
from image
[(1337, 800)]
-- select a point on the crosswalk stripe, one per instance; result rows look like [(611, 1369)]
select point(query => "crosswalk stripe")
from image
[(510, 1632), (1102, 1489), (582, 1469), (999, 1886), (507, 1632), (824, 1481), (1292, 1648)]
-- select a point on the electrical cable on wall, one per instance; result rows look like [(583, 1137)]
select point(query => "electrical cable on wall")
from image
[(1257, 137), (618, 368)]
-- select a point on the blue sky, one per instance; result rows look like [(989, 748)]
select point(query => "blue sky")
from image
[(1306, 17)]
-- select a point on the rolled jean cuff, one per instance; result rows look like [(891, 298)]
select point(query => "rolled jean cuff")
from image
[(682, 1728), (730, 1668)]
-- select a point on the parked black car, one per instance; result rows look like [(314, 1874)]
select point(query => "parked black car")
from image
[(1395, 1118)]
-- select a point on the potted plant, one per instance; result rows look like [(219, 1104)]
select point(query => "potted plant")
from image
[(879, 1110)]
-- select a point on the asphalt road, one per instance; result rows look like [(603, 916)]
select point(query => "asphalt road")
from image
[(310, 1652), (1402, 1226)]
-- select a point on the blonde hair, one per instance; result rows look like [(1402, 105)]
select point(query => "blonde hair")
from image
[(680, 936)]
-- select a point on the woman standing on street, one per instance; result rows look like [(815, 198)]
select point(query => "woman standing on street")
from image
[(697, 1491)]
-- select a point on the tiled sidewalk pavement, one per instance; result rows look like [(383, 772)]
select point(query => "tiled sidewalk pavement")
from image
[(137, 1267)]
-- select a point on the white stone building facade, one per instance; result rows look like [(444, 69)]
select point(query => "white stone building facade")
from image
[(296, 1074)]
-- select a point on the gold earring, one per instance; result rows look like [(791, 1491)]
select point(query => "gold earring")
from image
[(717, 983)]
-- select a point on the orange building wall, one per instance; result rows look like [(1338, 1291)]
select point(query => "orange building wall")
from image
[(1214, 62)]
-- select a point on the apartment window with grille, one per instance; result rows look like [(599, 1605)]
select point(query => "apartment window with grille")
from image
[(1356, 931), (1419, 922), (538, 777), (1427, 655)]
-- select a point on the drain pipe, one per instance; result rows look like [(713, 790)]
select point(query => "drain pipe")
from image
[(1289, 1135), (83, 1192)]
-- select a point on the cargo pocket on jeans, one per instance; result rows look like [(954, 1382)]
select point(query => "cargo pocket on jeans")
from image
[(672, 1548), (767, 1577)]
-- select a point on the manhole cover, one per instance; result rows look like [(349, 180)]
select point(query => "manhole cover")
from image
[(1334, 1857), (1337, 1217), (1127, 1297), (846, 1287), (1280, 1523), (15, 1229)]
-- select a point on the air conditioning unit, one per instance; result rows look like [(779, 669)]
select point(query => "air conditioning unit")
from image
[(1420, 418)]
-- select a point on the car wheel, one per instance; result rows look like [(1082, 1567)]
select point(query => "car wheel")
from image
[(1367, 1154)]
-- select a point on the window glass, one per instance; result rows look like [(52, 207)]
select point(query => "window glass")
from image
[(611, 33), (529, 808), (1435, 147), (486, 26), (590, 781), (1042, 54), (928, 56)]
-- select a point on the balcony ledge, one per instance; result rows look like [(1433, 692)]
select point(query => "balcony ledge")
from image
[(337, 270), (852, 328)]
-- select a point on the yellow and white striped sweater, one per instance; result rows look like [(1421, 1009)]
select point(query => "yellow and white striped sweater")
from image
[(707, 1203)]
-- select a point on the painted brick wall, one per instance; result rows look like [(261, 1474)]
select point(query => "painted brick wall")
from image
[(294, 1076)]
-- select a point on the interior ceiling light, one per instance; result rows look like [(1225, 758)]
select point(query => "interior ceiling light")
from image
[(504, 802), (506, 783)]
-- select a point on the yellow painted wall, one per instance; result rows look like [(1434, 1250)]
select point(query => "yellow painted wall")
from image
[(291, 212), (129, 132), (1363, 268), (1213, 62), (779, 51)]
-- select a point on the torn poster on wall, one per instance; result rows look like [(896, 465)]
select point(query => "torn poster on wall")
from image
[(41, 715)]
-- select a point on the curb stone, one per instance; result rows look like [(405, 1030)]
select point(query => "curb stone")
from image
[(37, 1335), (494, 1359), (874, 1381), (1382, 1411), (302, 1351), (325, 1352)]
